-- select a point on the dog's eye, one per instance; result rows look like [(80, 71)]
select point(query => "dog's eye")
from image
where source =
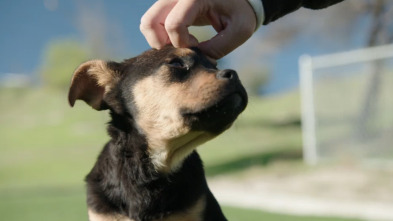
[(177, 63)]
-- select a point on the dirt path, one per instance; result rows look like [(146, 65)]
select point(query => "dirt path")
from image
[(342, 191)]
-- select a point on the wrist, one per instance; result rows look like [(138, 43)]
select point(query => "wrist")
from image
[(258, 9)]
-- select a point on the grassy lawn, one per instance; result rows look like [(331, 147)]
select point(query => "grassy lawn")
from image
[(238, 214), (61, 203), (47, 148), (43, 203)]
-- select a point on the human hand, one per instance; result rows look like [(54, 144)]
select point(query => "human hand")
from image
[(167, 22)]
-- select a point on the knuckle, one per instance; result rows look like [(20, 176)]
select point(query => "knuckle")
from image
[(146, 24), (173, 26), (143, 27)]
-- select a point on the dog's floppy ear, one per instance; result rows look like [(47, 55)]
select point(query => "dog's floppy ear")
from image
[(91, 81)]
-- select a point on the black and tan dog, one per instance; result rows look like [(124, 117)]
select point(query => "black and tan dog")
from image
[(163, 104)]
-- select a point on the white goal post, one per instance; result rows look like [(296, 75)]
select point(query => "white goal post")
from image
[(308, 66)]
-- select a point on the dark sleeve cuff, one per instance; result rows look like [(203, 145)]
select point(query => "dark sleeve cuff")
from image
[(275, 9)]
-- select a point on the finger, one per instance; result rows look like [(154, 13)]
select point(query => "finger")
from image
[(226, 41), (233, 31), (152, 24), (179, 19)]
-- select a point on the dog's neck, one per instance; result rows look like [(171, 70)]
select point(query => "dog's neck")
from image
[(137, 189), (129, 144), (124, 181), (130, 138), (166, 156)]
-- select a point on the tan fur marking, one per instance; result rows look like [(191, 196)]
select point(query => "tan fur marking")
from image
[(105, 76), (159, 104), (180, 52), (93, 216), (177, 155), (91, 81), (98, 70)]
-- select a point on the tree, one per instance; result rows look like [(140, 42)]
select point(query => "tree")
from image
[(381, 13), (101, 39), (61, 57), (102, 36)]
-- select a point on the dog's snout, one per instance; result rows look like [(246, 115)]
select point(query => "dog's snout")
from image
[(227, 74)]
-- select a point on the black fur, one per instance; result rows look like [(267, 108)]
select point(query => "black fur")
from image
[(124, 181)]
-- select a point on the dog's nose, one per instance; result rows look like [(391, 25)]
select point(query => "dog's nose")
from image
[(226, 74)]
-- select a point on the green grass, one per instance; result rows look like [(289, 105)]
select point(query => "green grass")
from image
[(238, 214), (43, 203), (46, 149), (62, 203)]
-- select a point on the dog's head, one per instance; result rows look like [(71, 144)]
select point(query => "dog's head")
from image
[(176, 97)]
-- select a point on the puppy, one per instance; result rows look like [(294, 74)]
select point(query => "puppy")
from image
[(163, 104)]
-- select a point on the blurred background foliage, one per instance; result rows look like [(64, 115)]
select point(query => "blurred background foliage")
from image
[(61, 57)]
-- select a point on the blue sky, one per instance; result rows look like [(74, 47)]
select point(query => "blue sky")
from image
[(26, 28)]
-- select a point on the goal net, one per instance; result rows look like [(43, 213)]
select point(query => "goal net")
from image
[(347, 105)]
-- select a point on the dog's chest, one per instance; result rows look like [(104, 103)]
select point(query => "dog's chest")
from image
[(193, 213), (176, 217)]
